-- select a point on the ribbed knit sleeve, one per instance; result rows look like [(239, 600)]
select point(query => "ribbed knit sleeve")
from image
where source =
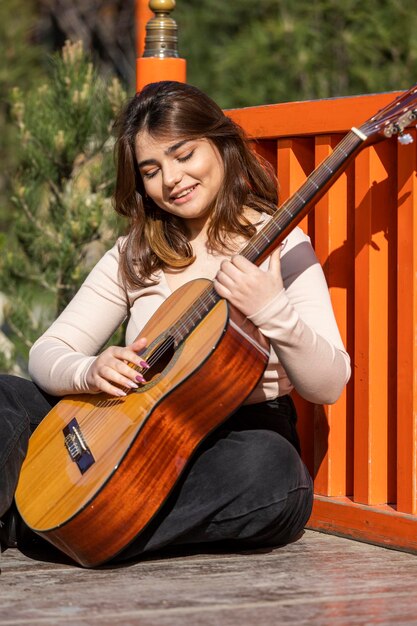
[(60, 358)]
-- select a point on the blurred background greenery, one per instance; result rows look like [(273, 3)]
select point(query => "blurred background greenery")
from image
[(55, 128)]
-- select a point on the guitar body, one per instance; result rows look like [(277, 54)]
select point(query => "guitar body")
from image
[(99, 468)]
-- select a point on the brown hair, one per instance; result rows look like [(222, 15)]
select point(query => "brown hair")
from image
[(157, 239)]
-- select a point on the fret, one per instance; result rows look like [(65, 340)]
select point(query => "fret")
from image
[(263, 234)]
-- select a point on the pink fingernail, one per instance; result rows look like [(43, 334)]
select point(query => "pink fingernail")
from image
[(144, 364), (140, 378)]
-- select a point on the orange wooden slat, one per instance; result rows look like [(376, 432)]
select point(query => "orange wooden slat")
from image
[(295, 161), (292, 119), (382, 525), (374, 438), (407, 329), (267, 148), (334, 248)]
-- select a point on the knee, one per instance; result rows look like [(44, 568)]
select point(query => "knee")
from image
[(270, 464), (275, 491), (284, 493)]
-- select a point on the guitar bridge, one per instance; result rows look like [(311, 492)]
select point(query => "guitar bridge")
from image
[(76, 446)]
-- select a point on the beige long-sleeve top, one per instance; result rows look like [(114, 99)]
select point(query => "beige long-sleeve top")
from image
[(306, 348)]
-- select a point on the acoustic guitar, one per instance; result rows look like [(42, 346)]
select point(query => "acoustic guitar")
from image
[(99, 468)]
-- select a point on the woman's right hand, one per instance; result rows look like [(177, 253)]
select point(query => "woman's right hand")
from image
[(111, 373)]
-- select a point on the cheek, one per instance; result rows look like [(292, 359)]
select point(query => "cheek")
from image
[(151, 188), (218, 178)]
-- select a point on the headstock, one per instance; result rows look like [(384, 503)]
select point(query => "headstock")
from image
[(393, 119)]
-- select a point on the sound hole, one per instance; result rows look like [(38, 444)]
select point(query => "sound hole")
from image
[(158, 357)]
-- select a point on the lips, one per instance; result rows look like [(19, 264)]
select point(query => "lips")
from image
[(183, 193)]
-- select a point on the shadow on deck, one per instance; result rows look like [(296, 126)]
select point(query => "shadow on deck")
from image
[(319, 580)]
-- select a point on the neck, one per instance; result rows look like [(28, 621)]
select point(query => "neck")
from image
[(197, 231)]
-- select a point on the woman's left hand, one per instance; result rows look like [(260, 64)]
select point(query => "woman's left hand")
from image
[(246, 286)]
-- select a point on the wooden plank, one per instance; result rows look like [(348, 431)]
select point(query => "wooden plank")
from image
[(382, 524), (374, 437), (295, 161), (334, 248), (293, 119), (267, 148), (407, 329), (320, 580)]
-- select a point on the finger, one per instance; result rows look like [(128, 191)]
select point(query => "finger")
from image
[(229, 269), (106, 387), (138, 345), (243, 264), (221, 289), (129, 354), (112, 375), (130, 371), (101, 384), (275, 262), (224, 279)]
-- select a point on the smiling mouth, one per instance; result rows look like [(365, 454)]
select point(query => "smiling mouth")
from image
[(184, 193)]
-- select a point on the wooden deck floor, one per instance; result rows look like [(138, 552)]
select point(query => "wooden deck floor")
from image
[(320, 580)]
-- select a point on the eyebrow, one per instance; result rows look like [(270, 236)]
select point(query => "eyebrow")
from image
[(168, 151)]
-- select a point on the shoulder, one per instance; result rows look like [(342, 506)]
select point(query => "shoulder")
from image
[(108, 266), (113, 254), (296, 237)]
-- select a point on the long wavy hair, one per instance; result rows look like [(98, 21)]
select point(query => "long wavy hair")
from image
[(157, 239)]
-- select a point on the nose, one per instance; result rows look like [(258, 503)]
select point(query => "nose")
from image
[(172, 174)]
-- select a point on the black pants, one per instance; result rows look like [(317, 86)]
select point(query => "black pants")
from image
[(246, 485)]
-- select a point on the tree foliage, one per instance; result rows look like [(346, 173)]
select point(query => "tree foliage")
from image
[(106, 28), (21, 65), (63, 219), (274, 51)]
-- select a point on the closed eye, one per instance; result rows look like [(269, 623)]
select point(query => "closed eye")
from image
[(150, 174), (185, 157)]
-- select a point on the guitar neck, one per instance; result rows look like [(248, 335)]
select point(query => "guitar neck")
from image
[(299, 204)]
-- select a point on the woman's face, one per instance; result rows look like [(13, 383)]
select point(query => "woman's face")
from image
[(182, 177)]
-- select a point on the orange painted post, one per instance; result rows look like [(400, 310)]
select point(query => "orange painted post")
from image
[(159, 59), (334, 248), (143, 15), (407, 329)]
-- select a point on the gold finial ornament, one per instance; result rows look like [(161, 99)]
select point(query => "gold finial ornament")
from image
[(161, 31)]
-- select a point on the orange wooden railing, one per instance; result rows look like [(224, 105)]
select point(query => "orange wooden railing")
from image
[(362, 450)]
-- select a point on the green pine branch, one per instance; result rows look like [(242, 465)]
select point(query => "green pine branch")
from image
[(63, 219)]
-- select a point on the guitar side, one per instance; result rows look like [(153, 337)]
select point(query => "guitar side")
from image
[(140, 443)]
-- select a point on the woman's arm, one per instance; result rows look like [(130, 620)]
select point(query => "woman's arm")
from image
[(61, 358), (289, 302)]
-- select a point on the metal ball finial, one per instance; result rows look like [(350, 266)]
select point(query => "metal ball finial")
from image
[(161, 31), (164, 6)]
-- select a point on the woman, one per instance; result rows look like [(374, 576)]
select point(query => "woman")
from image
[(194, 193)]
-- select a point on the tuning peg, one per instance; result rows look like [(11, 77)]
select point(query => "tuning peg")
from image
[(405, 138)]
